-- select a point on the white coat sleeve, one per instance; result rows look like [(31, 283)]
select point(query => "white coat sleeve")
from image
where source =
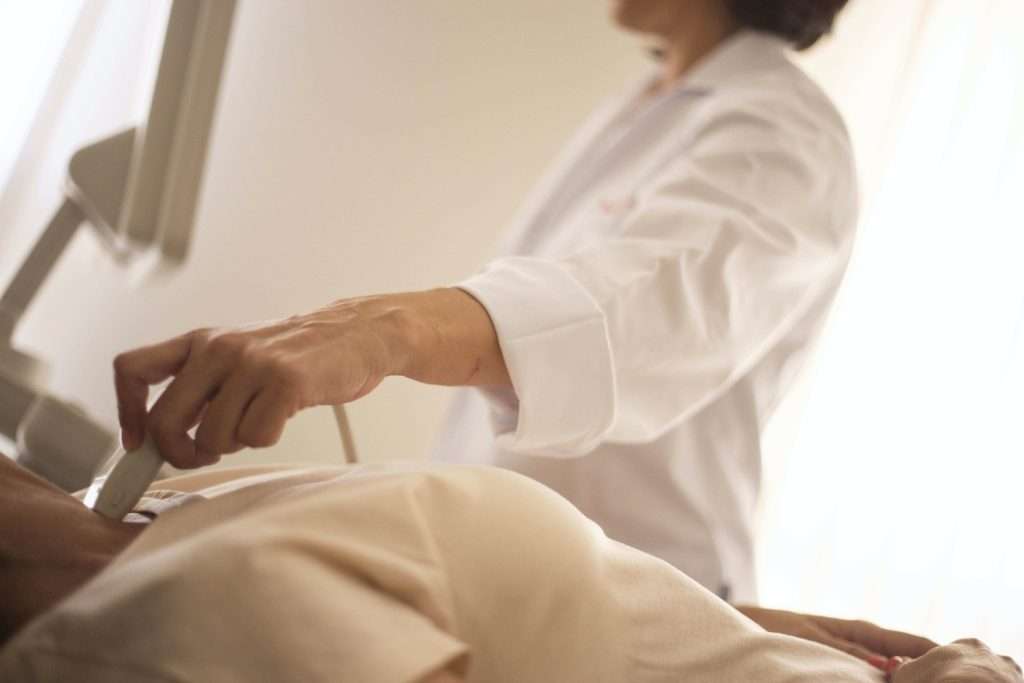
[(728, 246)]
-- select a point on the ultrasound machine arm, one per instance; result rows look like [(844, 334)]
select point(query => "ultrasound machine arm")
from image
[(138, 189)]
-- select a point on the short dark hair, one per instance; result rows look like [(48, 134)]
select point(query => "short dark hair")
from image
[(800, 22)]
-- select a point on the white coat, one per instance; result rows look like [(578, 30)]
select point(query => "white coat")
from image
[(658, 293)]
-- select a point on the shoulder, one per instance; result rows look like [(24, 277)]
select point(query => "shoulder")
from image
[(783, 130), (787, 104)]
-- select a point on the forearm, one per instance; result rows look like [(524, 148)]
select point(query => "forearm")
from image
[(241, 385), (438, 336)]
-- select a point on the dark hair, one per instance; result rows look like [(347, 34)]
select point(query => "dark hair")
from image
[(800, 22)]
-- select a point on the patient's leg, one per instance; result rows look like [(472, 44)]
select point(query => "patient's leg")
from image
[(50, 544)]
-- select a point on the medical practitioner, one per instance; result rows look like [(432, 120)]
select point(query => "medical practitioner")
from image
[(656, 297)]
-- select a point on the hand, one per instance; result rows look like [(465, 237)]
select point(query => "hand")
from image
[(965, 661), (861, 639), (240, 386)]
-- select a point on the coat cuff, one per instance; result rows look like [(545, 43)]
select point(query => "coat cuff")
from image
[(554, 339)]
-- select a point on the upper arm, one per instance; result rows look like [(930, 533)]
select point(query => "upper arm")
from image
[(737, 237)]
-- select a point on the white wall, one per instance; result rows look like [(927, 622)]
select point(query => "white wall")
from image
[(359, 147)]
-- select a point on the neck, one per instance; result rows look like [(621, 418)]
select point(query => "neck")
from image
[(50, 545), (690, 42)]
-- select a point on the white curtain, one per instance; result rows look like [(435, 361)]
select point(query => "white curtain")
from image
[(33, 36), (898, 497), (71, 71)]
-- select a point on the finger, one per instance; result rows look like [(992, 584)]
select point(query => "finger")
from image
[(1012, 663), (878, 639), (134, 372), (264, 419), (894, 664), (854, 649), (218, 428), (880, 662), (178, 410), (905, 668)]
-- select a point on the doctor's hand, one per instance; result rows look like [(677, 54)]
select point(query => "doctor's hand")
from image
[(875, 645), (241, 385), (965, 661)]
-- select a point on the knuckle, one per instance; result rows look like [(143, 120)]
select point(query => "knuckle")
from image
[(122, 364), (199, 340), (942, 654), (208, 443), (225, 346), (284, 374), (250, 355), (973, 643)]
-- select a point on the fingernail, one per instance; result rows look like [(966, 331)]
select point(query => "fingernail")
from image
[(879, 662), (895, 663)]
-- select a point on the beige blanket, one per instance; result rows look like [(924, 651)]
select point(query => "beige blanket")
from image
[(382, 574)]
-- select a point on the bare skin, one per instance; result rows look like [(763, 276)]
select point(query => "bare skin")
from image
[(882, 648), (242, 385), (682, 32), (50, 545), (964, 661)]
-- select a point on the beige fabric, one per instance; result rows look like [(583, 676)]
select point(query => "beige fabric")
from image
[(385, 573)]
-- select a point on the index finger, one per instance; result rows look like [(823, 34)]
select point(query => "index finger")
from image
[(134, 372), (881, 640)]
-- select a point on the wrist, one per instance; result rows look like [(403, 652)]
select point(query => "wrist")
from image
[(410, 333), (432, 340), (439, 336), (389, 329)]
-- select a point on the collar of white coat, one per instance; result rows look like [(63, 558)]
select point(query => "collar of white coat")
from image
[(738, 55)]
